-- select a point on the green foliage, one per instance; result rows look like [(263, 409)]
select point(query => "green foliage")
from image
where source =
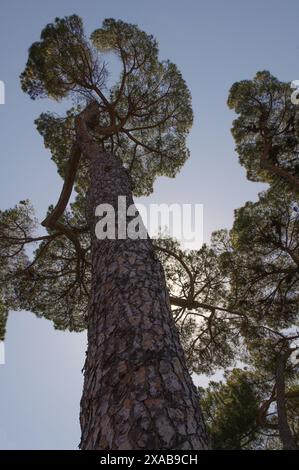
[(145, 117), (126, 40), (59, 283), (59, 135), (16, 225), (264, 266), (260, 258), (61, 62), (240, 411), (266, 117), (230, 411)]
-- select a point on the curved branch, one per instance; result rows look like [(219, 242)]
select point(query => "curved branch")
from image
[(87, 116), (67, 188)]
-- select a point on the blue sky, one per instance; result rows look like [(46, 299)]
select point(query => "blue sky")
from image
[(214, 43)]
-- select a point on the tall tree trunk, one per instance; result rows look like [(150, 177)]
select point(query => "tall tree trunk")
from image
[(285, 432), (138, 393)]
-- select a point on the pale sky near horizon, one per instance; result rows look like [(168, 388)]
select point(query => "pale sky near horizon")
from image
[(214, 43)]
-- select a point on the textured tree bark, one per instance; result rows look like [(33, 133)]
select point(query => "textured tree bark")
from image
[(138, 393), (285, 432)]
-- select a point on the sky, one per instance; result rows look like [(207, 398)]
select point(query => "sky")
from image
[(214, 43)]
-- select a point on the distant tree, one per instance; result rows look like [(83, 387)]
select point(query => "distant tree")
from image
[(16, 228), (241, 411), (274, 358), (138, 393), (238, 299), (260, 257), (264, 258), (266, 130), (230, 409)]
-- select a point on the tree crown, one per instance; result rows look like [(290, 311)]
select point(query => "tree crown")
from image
[(144, 118)]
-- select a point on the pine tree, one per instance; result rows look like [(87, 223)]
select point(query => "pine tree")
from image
[(138, 393)]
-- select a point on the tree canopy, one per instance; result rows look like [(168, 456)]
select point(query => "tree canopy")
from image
[(143, 119), (266, 129)]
